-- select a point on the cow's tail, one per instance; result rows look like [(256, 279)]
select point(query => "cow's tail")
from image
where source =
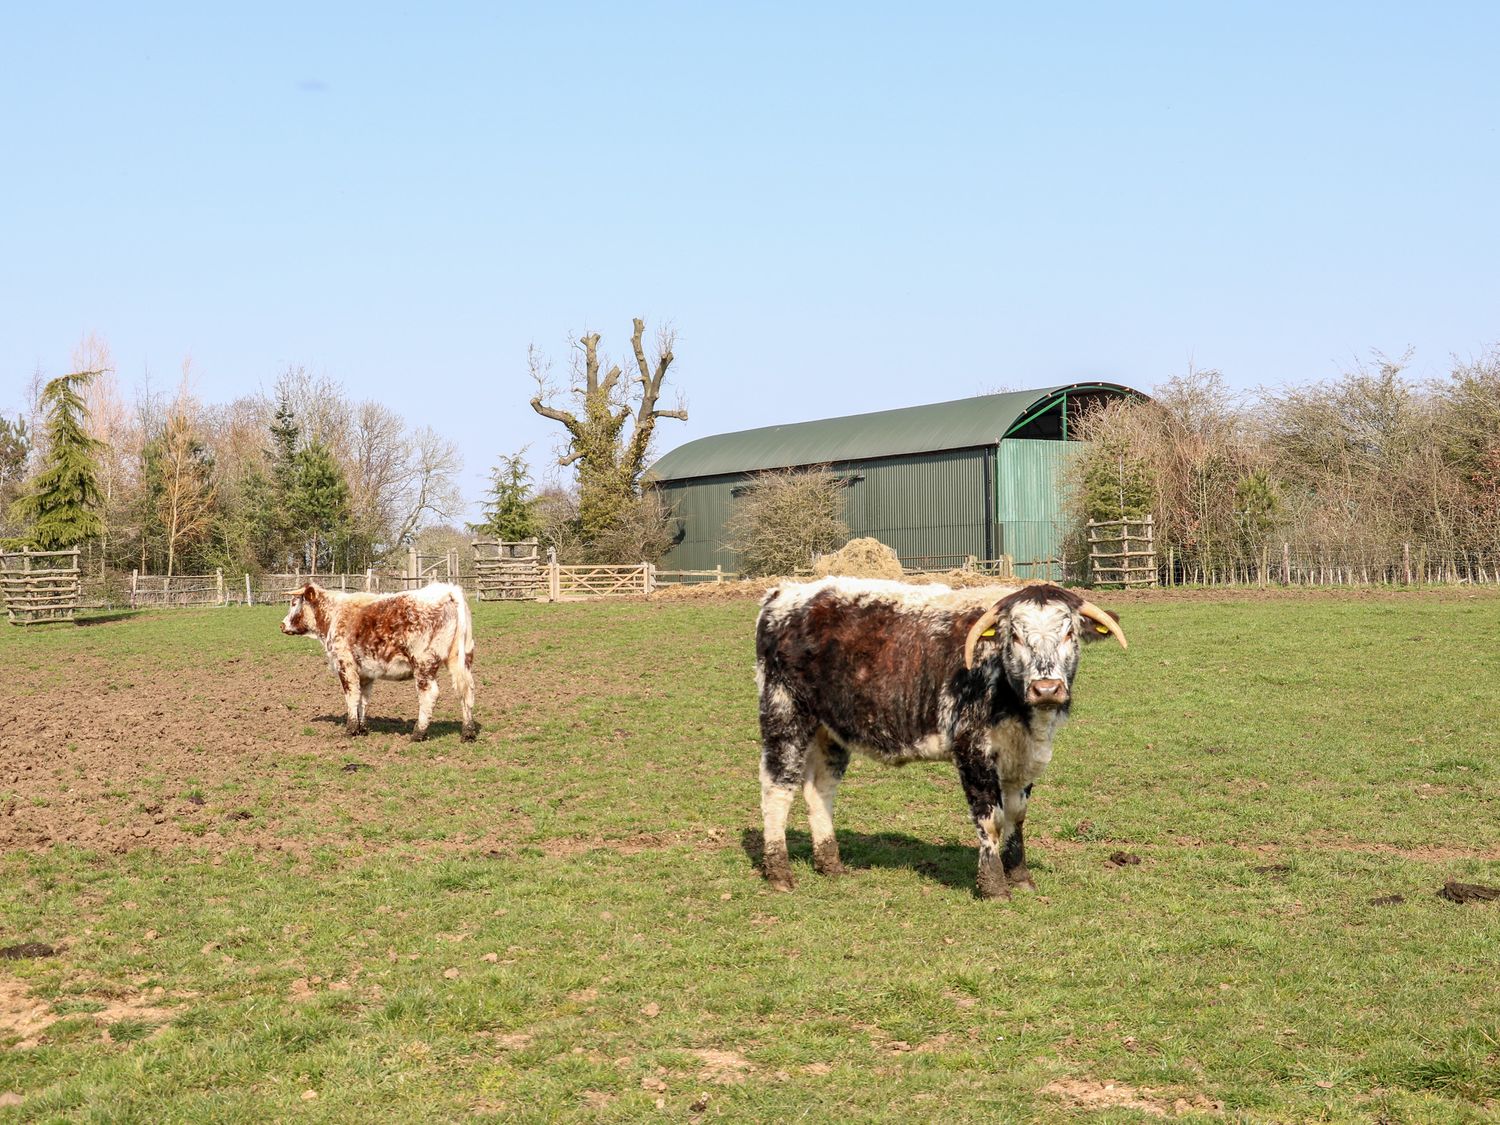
[(461, 662)]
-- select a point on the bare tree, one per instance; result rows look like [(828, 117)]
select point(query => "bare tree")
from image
[(609, 463), (111, 425), (425, 486), (187, 492)]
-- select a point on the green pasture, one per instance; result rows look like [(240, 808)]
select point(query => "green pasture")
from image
[(563, 921)]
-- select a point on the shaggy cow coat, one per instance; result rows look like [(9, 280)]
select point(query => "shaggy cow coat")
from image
[(899, 673), (409, 636)]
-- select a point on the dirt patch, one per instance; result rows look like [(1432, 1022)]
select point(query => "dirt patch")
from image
[(1095, 1096), (1387, 900), (742, 589), (1124, 859), (1455, 891), (25, 1019), (1086, 1093), (244, 752), (1275, 870), (860, 558), (722, 1068), (22, 1017)]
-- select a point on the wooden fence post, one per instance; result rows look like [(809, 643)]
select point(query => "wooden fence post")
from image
[(719, 574), (249, 597), (1406, 561), (1286, 564), (135, 576), (369, 578), (219, 585), (554, 576)]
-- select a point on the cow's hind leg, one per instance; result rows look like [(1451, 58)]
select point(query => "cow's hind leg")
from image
[(785, 737), (427, 693), (463, 687), (366, 686), (353, 697), (826, 763)]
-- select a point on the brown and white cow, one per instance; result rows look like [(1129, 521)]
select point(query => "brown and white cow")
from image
[(981, 678), (371, 637)]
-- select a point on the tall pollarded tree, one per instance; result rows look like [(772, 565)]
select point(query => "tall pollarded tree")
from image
[(60, 505), (610, 463)]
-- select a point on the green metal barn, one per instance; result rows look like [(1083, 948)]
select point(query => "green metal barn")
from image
[(978, 476)]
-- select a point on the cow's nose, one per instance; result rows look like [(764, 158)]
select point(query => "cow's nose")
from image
[(1047, 691)]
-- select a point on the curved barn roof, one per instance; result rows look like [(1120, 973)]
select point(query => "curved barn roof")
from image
[(960, 424)]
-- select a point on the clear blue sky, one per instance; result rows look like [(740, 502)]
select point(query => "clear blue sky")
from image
[(841, 207)]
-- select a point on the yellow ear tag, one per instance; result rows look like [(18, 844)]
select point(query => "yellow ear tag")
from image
[(988, 633), (1100, 629)]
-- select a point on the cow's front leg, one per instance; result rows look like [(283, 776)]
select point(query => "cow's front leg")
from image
[(982, 788), (427, 693), (1012, 846)]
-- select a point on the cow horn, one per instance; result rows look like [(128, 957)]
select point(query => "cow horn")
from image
[(986, 619), (1094, 613)]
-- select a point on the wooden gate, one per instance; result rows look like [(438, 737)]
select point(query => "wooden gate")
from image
[(39, 585), (508, 571), (1123, 552)]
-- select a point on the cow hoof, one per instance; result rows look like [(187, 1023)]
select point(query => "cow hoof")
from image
[(351, 732), (781, 883), (419, 736), (470, 733), (993, 885), (1021, 880)]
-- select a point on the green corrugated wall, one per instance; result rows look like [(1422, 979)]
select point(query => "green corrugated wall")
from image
[(1029, 503), (920, 504)]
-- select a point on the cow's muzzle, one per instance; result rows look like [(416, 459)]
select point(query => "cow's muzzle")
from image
[(1047, 693)]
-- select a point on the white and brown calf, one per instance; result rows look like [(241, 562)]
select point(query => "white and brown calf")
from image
[(981, 678), (371, 637)]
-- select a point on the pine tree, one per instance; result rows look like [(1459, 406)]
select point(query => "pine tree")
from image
[(60, 506), (320, 504), (510, 509), (285, 434)]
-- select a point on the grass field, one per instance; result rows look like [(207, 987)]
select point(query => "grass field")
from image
[(262, 920)]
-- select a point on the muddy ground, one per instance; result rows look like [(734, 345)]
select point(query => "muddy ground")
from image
[(233, 753)]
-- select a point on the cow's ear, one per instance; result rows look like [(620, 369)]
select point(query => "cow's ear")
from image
[(309, 593), (1092, 630)]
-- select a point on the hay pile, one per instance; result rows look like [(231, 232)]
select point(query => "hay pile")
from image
[(860, 558)]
